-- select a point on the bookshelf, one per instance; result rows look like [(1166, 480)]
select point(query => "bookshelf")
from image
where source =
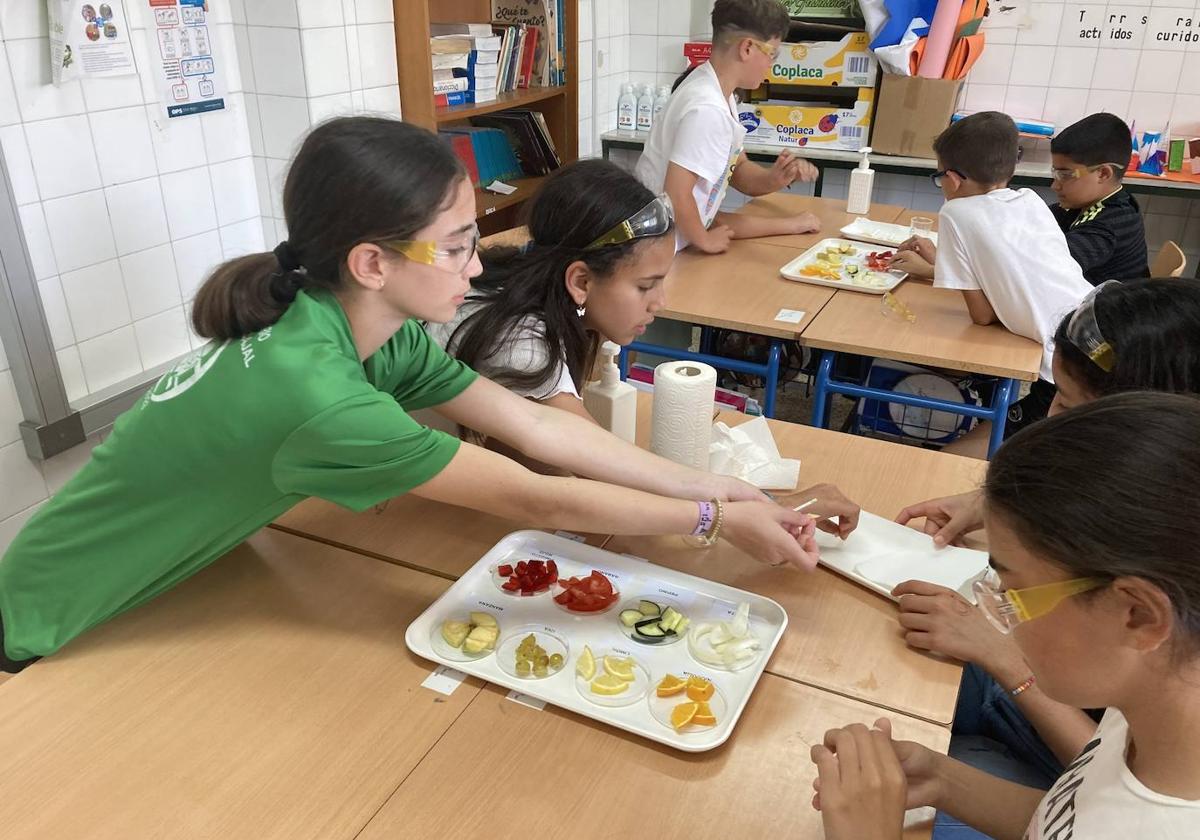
[(559, 104)]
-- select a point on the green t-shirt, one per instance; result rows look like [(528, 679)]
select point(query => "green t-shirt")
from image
[(230, 438)]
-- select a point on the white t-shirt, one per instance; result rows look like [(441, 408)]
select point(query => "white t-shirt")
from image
[(698, 130), (1098, 798), (1007, 244), (526, 350)]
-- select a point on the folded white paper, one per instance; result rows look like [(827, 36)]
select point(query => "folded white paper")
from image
[(881, 554), (749, 452)]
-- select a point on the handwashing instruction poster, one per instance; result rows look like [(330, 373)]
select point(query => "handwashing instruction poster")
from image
[(88, 39), (190, 76)]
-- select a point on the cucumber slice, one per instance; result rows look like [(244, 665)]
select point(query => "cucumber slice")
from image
[(649, 632), (631, 617), (649, 609), (682, 626), (670, 618)]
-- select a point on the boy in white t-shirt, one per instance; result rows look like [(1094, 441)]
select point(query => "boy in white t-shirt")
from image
[(1002, 249), (694, 153)]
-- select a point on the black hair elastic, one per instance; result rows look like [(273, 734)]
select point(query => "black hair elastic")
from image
[(289, 279)]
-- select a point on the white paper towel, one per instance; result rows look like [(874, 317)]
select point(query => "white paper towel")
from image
[(749, 452), (683, 412)]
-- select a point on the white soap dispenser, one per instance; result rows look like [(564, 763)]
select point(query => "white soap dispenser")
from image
[(660, 101), (627, 109), (611, 402), (645, 109), (862, 181)]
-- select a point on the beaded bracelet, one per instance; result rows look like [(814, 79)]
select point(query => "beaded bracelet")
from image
[(1023, 687), (706, 520), (711, 536)]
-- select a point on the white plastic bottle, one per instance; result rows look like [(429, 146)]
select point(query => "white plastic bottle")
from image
[(627, 109), (611, 402), (645, 109), (862, 182), (660, 101)]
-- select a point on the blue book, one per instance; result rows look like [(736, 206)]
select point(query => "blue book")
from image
[(485, 158)]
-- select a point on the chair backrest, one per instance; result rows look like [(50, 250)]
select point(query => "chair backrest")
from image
[(1170, 261)]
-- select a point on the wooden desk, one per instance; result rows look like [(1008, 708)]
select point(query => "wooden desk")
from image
[(841, 637), (507, 771), (943, 336), (269, 696), (831, 212)]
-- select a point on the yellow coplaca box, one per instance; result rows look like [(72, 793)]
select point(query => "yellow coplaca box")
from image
[(845, 63), (796, 124)]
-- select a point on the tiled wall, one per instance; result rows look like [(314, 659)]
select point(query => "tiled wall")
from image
[(117, 253)]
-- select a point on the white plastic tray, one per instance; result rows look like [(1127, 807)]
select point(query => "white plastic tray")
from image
[(881, 554), (792, 270), (701, 600), (880, 233)]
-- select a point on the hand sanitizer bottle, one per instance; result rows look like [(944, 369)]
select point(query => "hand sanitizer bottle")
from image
[(627, 109), (611, 402), (645, 108), (660, 101), (862, 181)]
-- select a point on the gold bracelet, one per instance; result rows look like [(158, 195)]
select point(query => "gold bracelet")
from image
[(719, 520)]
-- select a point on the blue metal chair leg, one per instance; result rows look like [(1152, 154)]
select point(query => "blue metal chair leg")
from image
[(821, 391), (1000, 401), (772, 378)]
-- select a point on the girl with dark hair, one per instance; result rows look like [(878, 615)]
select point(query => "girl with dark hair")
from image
[(1141, 335), (317, 357), (1105, 609)]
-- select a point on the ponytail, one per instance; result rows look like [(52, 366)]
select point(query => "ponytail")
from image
[(354, 180)]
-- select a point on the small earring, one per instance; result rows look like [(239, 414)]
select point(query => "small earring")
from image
[(581, 310), (382, 283)]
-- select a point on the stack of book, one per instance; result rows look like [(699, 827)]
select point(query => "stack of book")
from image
[(466, 63), (509, 144)]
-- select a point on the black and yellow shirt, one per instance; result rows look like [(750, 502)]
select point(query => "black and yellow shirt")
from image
[(1107, 239)]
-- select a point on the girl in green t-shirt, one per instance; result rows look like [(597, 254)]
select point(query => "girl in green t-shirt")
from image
[(316, 360)]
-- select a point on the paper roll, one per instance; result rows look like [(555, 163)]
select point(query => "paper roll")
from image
[(683, 412), (941, 37)]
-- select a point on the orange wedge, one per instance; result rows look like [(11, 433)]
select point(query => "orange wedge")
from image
[(670, 685), (699, 689), (704, 715), (683, 714)]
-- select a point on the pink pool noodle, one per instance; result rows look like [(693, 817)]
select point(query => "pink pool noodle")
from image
[(941, 36)]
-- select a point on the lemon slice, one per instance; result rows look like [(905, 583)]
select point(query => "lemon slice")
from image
[(609, 685), (586, 666), (622, 669)]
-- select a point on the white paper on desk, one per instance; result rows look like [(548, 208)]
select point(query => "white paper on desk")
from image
[(881, 554), (749, 452)]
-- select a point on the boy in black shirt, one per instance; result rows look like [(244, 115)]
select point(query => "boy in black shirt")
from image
[(1102, 221)]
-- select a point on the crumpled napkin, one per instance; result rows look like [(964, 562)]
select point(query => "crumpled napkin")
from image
[(749, 452)]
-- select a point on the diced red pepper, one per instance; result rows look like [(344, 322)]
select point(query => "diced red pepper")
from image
[(510, 586), (552, 567), (505, 570)]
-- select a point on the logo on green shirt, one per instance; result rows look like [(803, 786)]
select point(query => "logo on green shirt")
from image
[(187, 372)]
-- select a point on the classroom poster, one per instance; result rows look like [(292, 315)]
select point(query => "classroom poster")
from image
[(190, 76), (88, 39)]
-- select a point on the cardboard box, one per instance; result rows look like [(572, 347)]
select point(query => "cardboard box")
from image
[(795, 124), (912, 111), (847, 62), (837, 9)]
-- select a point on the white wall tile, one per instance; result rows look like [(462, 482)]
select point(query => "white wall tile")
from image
[(241, 43), (1163, 22), (37, 97), (122, 144), (189, 201), (354, 56), (96, 299), (161, 338), (1047, 20), (276, 56), (234, 189), (23, 485), (382, 100), (151, 283), (1151, 110), (11, 415), (54, 307), (675, 17), (1185, 114), (1064, 107), (284, 123), (1123, 28), (195, 258), (643, 17), (254, 125), (1109, 101), (1073, 67), (4, 365), (237, 9), (1159, 72), (136, 212), (670, 56), (314, 13), (374, 11), (23, 19), (62, 467), (64, 159), (984, 97), (643, 53), (326, 61), (586, 61), (227, 132), (994, 66), (71, 369), (10, 113), (241, 238), (586, 29), (263, 183), (20, 164), (178, 144), (377, 53), (224, 39), (277, 174), (321, 108), (117, 92), (1031, 65), (1021, 101), (271, 13), (1116, 70), (79, 230), (110, 358), (10, 526)]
